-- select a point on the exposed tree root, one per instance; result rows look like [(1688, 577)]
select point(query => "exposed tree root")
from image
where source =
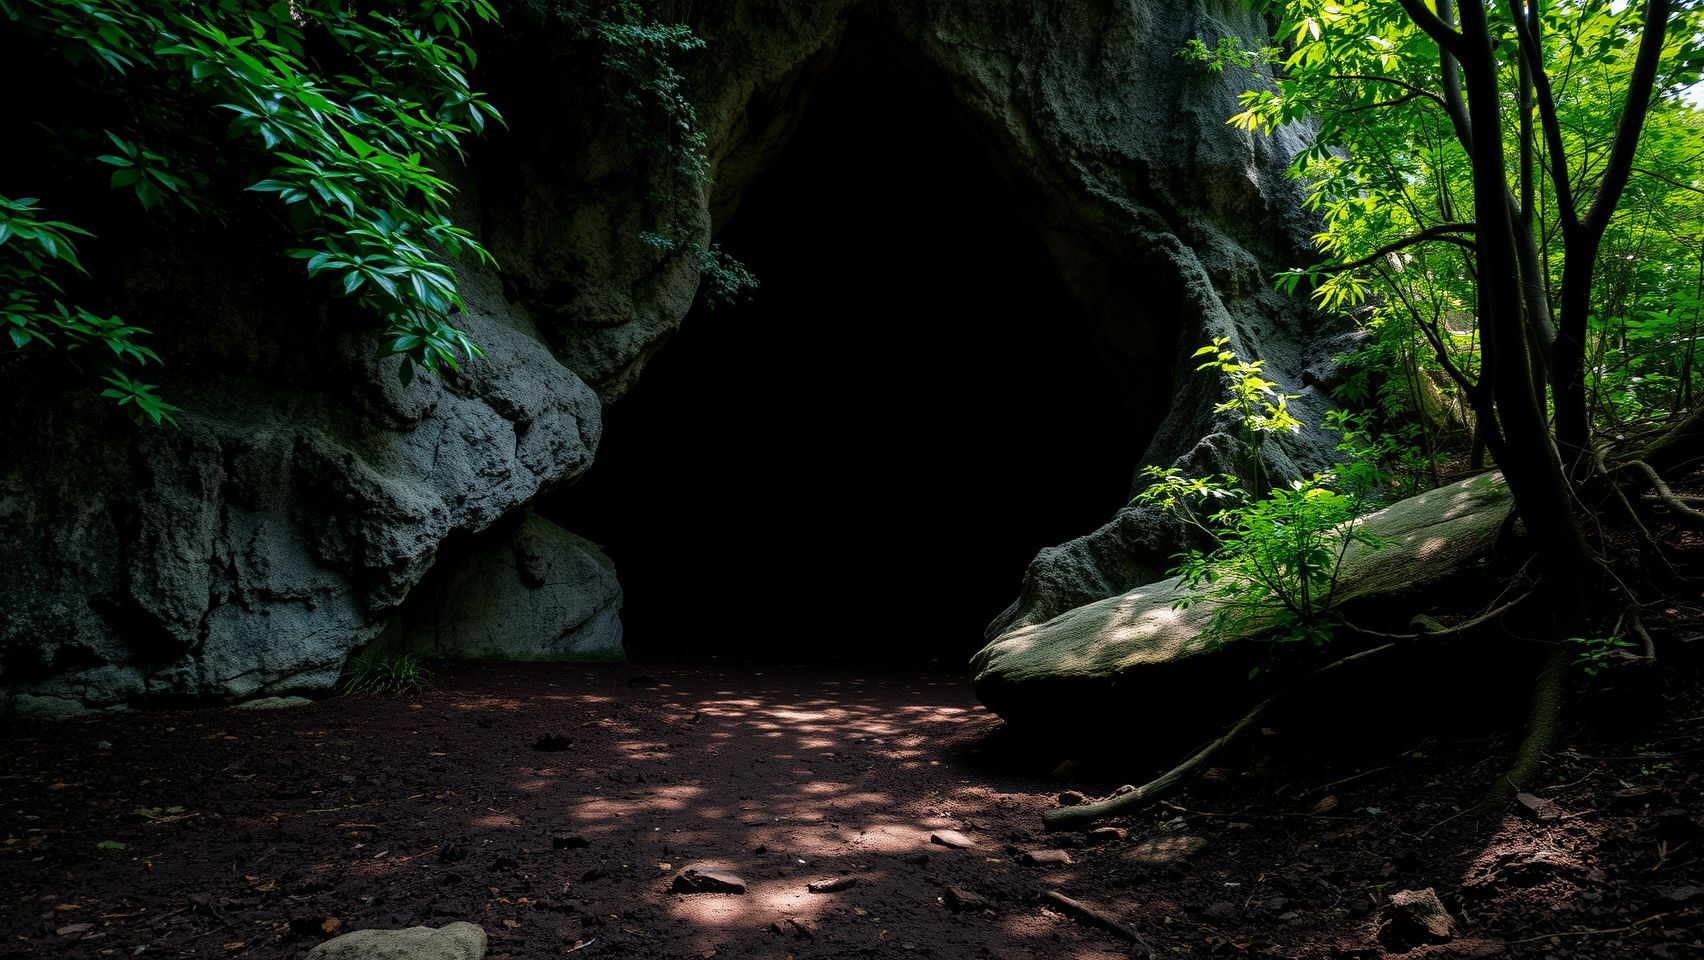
[(1075, 818), (1661, 492), (1442, 631), (1681, 446), (1542, 724)]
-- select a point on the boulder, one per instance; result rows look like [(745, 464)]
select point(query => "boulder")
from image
[(1139, 658), (456, 941)]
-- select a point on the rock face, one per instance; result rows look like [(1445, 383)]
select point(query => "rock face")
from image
[(540, 593), (1137, 658), (308, 494), (457, 941), (251, 551)]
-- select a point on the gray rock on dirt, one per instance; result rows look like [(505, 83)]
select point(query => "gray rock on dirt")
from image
[(1414, 917), (457, 941), (706, 878)]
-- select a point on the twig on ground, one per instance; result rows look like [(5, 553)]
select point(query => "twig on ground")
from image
[(1096, 917), (1339, 783), (1590, 933)]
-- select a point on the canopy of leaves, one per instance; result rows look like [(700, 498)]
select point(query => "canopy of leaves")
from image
[(331, 110), (1390, 178)]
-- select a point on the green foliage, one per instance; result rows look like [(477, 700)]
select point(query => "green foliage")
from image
[(1391, 179), (637, 51), (32, 252), (328, 109), (1260, 408), (1596, 654), (1227, 52), (1275, 555), (392, 673)]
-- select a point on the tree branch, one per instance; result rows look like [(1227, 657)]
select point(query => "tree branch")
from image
[(1447, 232), (1645, 171), (1556, 162), (1413, 90), (1632, 120), (1441, 32)]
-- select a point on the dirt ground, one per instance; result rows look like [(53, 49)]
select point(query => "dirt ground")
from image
[(553, 805)]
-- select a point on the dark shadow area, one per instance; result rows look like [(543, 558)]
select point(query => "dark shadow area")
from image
[(860, 460)]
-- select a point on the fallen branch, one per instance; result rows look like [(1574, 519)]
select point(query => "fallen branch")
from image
[(1074, 818), (1096, 917)]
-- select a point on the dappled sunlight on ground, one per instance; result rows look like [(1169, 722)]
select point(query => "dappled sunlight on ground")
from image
[(558, 821)]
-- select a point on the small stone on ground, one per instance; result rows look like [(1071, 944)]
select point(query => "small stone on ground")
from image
[(457, 941), (1413, 917), (706, 878), (953, 839)]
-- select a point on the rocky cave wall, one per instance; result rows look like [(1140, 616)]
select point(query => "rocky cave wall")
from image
[(308, 494)]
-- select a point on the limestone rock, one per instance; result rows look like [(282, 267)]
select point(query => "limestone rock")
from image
[(538, 593), (274, 703), (250, 551), (1138, 652), (457, 941)]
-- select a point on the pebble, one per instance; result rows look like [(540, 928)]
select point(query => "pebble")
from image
[(706, 878), (1100, 835), (953, 839)]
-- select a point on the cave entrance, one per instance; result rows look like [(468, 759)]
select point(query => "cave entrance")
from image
[(861, 459)]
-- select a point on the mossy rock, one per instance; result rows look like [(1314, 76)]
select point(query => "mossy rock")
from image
[(1137, 660)]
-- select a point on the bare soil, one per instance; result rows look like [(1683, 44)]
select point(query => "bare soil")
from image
[(553, 805)]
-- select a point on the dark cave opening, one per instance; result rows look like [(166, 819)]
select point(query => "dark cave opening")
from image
[(860, 460)]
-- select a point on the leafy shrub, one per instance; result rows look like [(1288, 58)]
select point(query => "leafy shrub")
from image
[(1596, 654), (1277, 554)]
